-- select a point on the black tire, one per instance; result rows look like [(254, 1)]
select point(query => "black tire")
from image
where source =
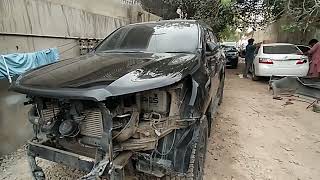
[(221, 88), (198, 156), (221, 96), (254, 77)]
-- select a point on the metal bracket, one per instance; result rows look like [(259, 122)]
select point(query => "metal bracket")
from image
[(37, 172)]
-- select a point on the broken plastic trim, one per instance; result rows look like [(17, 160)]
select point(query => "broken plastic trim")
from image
[(104, 153), (305, 86), (195, 86)]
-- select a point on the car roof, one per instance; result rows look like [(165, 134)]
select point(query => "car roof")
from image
[(277, 44), (168, 21)]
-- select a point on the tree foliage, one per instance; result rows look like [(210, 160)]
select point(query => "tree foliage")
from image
[(304, 13), (160, 8), (257, 13), (216, 13), (222, 14)]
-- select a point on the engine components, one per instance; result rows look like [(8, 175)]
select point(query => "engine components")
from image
[(155, 101), (69, 128), (130, 128)]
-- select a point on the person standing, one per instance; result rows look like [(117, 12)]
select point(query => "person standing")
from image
[(249, 57), (314, 70)]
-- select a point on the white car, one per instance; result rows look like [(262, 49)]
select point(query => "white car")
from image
[(279, 59)]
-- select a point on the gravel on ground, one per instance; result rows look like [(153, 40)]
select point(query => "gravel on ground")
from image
[(257, 137)]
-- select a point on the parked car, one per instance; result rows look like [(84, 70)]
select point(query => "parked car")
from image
[(279, 59), (304, 48), (140, 105), (232, 55)]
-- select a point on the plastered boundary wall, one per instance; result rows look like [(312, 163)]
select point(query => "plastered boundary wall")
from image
[(31, 25), (275, 33)]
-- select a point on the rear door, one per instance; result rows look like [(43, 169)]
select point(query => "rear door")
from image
[(219, 57), (213, 65), (217, 64), (257, 55)]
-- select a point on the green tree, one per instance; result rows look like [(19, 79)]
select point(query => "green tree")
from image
[(218, 18), (304, 13), (217, 14), (300, 14), (160, 8)]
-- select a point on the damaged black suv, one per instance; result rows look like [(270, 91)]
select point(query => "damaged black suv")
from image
[(140, 105)]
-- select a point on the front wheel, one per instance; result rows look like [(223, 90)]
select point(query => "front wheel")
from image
[(198, 156)]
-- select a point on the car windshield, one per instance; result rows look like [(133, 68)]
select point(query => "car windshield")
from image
[(173, 37), (281, 49)]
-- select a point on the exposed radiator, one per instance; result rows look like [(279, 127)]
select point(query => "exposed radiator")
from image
[(92, 124), (50, 112)]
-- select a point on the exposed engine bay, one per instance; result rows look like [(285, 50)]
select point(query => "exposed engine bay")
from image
[(136, 116), (142, 127)]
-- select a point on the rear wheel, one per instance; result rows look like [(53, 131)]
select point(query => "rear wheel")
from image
[(221, 88), (198, 156)]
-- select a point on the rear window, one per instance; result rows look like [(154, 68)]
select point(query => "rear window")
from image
[(304, 49), (281, 49)]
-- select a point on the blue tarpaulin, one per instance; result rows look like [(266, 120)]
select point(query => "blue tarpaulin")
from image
[(18, 63)]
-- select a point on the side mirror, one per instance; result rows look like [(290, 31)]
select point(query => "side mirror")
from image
[(211, 48)]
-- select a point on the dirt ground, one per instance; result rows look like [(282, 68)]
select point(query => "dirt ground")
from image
[(255, 137), (259, 138)]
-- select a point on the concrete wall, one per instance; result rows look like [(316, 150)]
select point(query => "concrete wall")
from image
[(111, 8), (61, 22), (31, 25), (275, 33)]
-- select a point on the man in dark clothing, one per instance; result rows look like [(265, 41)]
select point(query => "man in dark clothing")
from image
[(250, 49)]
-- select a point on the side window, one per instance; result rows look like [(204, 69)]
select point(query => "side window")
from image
[(208, 38), (213, 37)]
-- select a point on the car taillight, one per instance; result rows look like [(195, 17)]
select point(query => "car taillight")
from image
[(301, 61), (265, 61)]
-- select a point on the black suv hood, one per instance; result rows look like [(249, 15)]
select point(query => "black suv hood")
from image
[(98, 76)]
